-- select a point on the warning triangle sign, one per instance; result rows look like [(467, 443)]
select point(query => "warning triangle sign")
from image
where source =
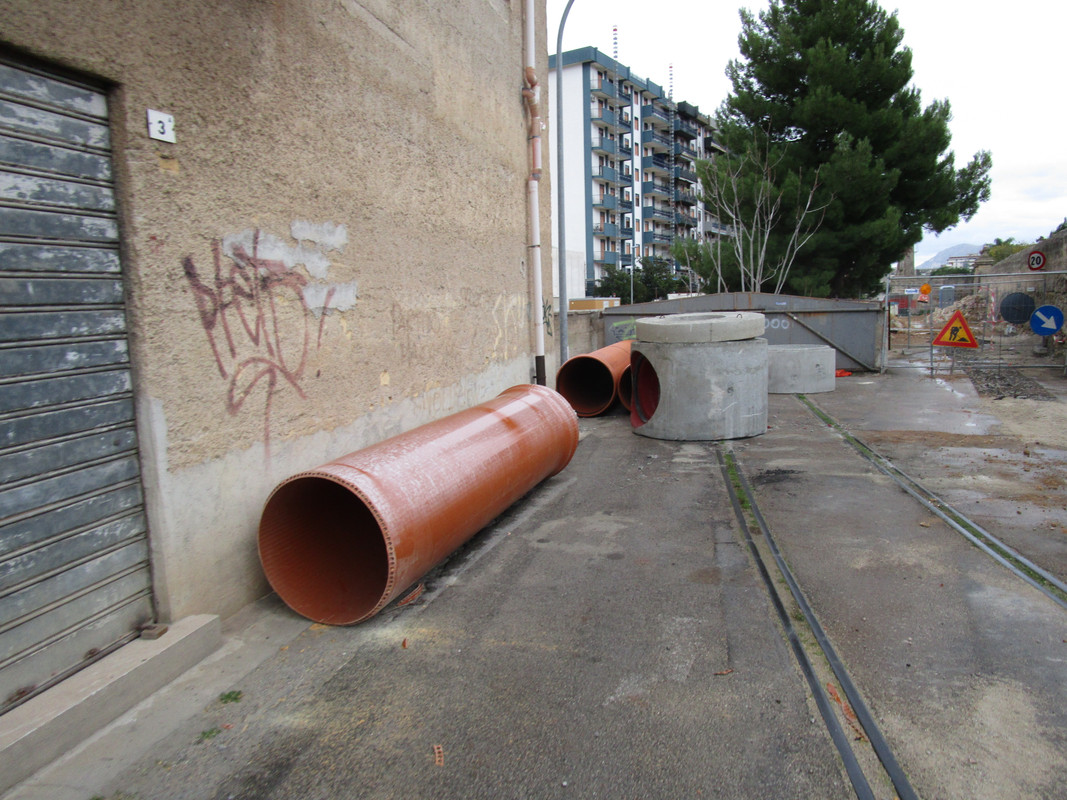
[(956, 333)]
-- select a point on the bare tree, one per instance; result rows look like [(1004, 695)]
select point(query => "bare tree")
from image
[(744, 191)]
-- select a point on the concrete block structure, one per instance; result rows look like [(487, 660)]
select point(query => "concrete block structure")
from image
[(699, 377), (804, 368)]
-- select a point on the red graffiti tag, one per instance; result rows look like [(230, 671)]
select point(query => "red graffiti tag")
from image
[(239, 311)]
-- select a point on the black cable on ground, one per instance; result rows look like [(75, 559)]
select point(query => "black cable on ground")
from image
[(837, 734), (863, 714)]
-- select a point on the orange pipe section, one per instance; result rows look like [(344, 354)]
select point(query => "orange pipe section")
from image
[(626, 387), (644, 385), (339, 542), (591, 382)]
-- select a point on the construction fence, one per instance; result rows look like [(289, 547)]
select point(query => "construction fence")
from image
[(1013, 321)]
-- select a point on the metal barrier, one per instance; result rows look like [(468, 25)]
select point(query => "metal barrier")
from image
[(1007, 316)]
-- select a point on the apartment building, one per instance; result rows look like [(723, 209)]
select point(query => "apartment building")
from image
[(629, 177)]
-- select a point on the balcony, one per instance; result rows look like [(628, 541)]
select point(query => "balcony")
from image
[(657, 141), (626, 178), (688, 198), (685, 219), (626, 94), (626, 206), (686, 128), (606, 201), (627, 259), (651, 237), (685, 174), (711, 147), (606, 257), (656, 189), (605, 89), (603, 116), (656, 115), (625, 150), (608, 174), (606, 229), (653, 212), (602, 144), (659, 164), (626, 232), (682, 149)]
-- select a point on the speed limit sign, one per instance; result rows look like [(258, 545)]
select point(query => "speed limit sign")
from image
[(1036, 260)]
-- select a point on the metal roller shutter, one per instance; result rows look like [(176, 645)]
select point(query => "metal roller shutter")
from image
[(74, 573)]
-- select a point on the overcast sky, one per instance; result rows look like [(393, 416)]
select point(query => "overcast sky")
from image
[(1001, 68)]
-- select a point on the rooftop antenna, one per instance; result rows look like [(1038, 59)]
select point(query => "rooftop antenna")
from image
[(615, 42), (670, 81)]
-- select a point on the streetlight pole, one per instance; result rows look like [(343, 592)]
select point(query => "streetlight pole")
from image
[(561, 238)]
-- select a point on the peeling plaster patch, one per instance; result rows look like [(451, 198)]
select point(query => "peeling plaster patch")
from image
[(338, 296), (316, 263), (328, 235), (319, 294), (268, 247)]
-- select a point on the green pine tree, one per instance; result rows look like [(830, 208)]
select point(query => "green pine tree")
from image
[(825, 85)]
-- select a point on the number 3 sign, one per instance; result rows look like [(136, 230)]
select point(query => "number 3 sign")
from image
[(161, 126)]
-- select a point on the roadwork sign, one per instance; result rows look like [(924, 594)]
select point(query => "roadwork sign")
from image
[(956, 333)]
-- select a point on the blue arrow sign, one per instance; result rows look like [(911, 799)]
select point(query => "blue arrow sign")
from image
[(1046, 320)]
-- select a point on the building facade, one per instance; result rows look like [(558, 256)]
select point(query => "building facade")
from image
[(237, 240), (630, 182)]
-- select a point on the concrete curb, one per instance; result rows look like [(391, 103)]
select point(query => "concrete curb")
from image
[(44, 728)]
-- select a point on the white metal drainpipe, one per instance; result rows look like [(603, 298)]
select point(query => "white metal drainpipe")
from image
[(532, 94)]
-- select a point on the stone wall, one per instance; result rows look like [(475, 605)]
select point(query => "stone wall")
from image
[(1053, 288)]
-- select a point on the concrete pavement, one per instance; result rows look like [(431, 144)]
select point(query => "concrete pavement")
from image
[(609, 637)]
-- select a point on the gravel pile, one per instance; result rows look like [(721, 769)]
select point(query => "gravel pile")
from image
[(1000, 382)]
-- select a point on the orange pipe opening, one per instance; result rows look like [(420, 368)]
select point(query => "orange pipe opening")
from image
[(626, 388), (339, 542), (645, 390), (590, 382)]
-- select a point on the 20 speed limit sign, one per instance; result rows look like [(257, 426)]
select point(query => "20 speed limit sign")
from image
[(1036, 260)]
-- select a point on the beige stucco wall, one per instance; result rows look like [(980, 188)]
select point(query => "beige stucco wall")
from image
[(335, 249)]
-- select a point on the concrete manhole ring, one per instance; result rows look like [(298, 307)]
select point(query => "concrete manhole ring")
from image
[(718, 326)]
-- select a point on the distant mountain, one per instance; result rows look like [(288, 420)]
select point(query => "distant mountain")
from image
[(942, 258)]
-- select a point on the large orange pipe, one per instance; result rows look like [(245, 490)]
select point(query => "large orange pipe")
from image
[(339, 542), (590, 382)]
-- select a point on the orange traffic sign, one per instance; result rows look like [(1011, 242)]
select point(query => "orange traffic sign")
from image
[(925, 289), (956, 333)]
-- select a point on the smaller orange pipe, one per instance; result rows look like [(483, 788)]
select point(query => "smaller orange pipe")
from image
[(590, 382), (626, 386), (645, 390)]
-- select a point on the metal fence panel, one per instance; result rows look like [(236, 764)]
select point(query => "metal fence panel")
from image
[(999, 310)]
